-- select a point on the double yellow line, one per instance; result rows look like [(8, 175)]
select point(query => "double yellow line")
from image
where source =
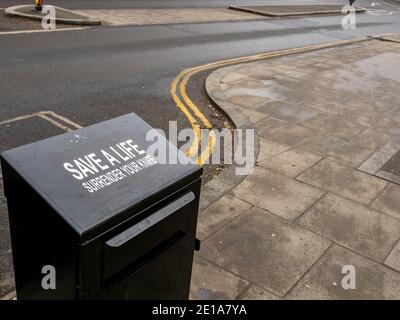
[(184, 103), (193, 113)]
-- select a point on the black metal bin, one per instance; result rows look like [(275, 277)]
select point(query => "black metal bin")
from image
[(112, 221)]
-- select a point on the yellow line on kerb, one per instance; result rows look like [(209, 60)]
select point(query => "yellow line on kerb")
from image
[(180, 82), (196, 128)]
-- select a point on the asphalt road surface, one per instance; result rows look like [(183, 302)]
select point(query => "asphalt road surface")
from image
[(96, 74)]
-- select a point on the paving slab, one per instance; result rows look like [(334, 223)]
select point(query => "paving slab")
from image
[(374, 163), (247, 86), (323, 88), (213, 190), (392, 146), (389, 201), (354, 226), (369, 102), (292, 162), (248, 100), (276, 193), (393, 260), (258, 71), (297, 92), (283, 132), (388, 176), (219, 214), (269, 148), (270, 252), (257, 293), (390, 125), (395, 114), (348, 152), (287, 111), (341, 126), (329, 106), (374, 137), (255, 115), (373, 280), (234, 77), (338, 178), (392, 166), (379, 159), (378, 121), (210, 282)]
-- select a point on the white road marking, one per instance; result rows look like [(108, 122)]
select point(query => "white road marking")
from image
[(17, 119), (46, 115), (40, 31), (56, 123), (64, 119)]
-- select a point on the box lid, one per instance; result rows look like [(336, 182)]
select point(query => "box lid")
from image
[(93, 175)]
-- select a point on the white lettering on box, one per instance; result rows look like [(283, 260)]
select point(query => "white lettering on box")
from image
[(98, 169)]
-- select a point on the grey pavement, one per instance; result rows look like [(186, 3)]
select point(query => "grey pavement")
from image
[(125, 17), (307, 210)]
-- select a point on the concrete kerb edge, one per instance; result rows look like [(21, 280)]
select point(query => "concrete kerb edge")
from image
[(227, 178), (12, 11), (387, 38), (241, 121), (291, 14)]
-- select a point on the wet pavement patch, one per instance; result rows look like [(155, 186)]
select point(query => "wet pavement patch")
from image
[(294, 10)]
